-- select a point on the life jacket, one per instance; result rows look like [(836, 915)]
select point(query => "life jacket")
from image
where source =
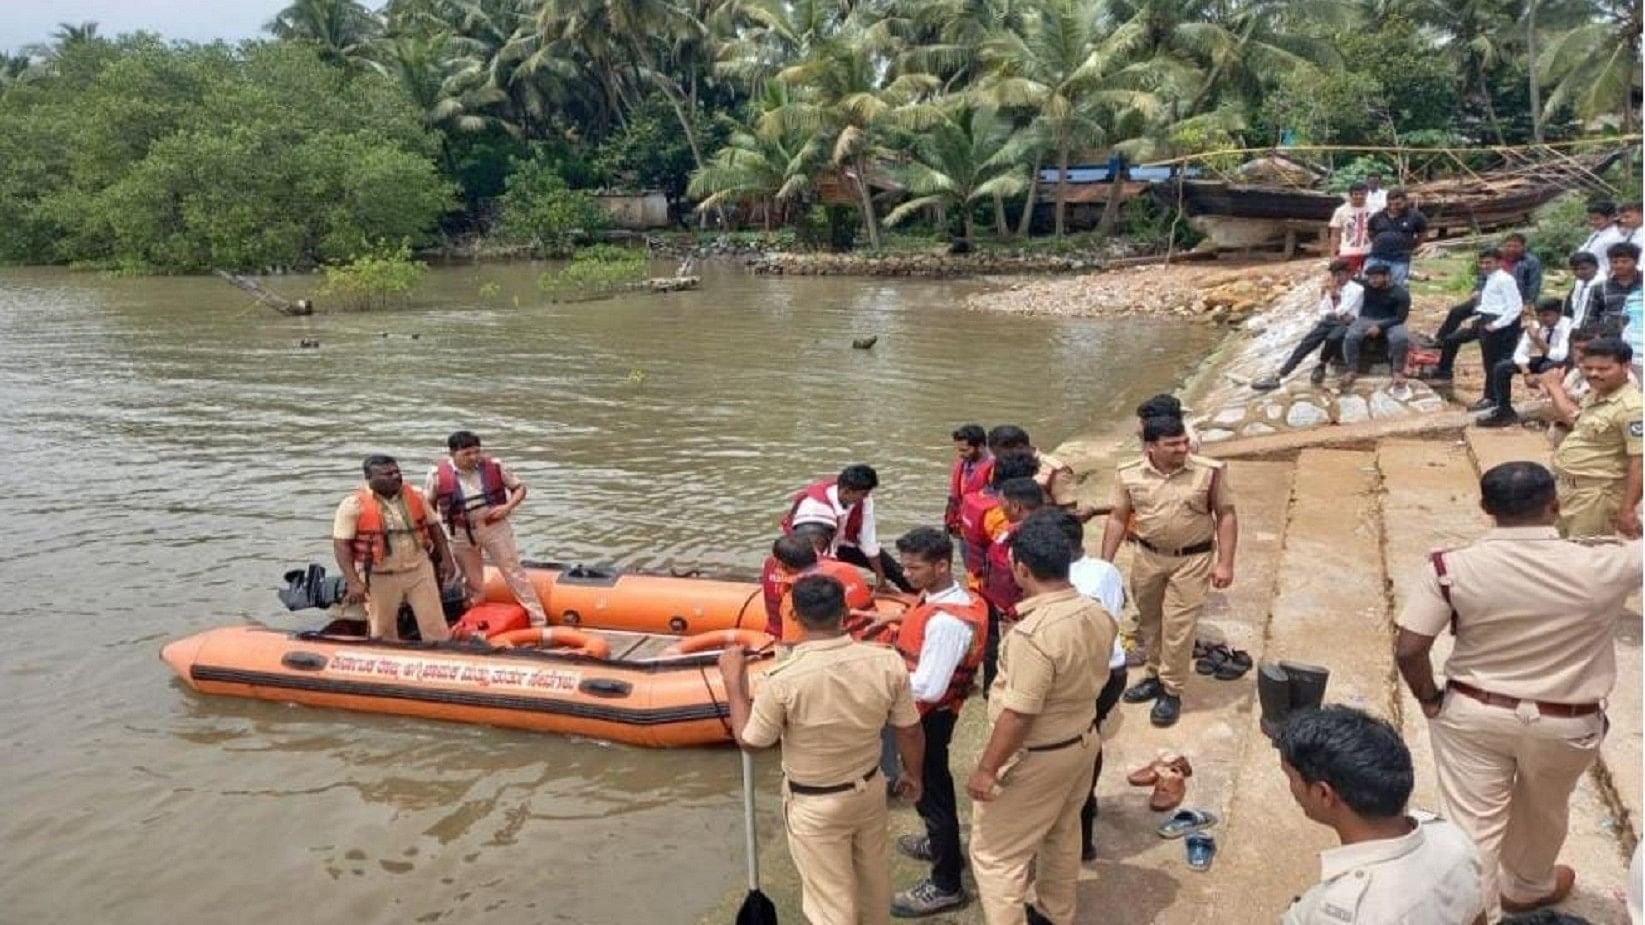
[(998, 587), (448, 491), (911, 637), (370, 542), (850, 531), (858, 595), (963, 481), (974, 538)]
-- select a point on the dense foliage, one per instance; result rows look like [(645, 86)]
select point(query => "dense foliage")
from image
[(354, 128)]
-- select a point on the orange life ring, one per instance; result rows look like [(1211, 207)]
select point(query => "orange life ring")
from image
[(719, 639), (554, 637)]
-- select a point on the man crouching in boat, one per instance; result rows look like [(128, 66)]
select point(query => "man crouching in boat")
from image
[(474, 494), (383, 537), (795, 555), (826, 703)]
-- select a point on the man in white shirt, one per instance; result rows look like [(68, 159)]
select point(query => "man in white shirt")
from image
[(1495, 324), (1349, 230), (1543, 346), (1585, 288), (941, 639), (848, 501), (1602, 233), (1338, 308), (1628, 220), (1352, 773), (1103, 583), (1376, 198)]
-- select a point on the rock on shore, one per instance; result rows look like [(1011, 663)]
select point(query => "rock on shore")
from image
[(1200, 293)]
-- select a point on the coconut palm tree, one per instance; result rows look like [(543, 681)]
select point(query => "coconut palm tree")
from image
[(959, 161), (772, 172), (1595, 67), (1478, 36), (341, 29)]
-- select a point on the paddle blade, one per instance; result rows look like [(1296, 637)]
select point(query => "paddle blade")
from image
[(757, 909)]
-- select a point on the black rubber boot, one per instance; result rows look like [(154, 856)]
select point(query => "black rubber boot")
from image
[(1307, 685), (1274, 694)]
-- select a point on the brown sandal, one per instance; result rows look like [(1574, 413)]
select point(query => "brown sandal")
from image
[(1168, 791), (1149, 774)]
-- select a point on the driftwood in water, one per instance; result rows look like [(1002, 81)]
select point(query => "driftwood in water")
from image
[(281, 304)]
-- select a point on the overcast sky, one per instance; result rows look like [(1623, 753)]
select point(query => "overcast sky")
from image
[(25, 21)]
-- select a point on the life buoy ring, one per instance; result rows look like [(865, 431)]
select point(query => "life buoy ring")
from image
[(553, 637), (719, 639)]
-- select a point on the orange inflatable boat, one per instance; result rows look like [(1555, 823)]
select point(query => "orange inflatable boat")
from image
[(630, 658)]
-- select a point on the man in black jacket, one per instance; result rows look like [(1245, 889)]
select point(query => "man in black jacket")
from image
[(1382, 314)]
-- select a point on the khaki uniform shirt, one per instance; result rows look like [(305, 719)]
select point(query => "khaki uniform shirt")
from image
[(1606, 433), (1535, 613), (1429, 877), (1053, 663), (405, 545), (1174, 510), (1057, 478), (827, 703)]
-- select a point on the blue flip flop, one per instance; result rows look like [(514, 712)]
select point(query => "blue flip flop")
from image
[(1186, 821), (1202, 848)]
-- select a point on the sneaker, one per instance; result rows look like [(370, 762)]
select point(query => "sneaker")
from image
[(1484, 404), (1498, 419), (925, 898), (1167, 709), (1266, 384), (917, 847), (1400, 390), (1147, 690), (1317, 377)]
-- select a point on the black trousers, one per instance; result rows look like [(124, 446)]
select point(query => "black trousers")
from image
[(1110, 695), (1328, 333), (1494, 346), (1500, 386), (1454, 319), (991, 651), (893, 571), (937, 806)]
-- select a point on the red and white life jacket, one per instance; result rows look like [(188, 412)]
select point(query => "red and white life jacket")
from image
[(850, 532), (964, 478), (448, 490)]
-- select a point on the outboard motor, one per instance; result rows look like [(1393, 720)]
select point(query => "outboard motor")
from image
[(311, 588)]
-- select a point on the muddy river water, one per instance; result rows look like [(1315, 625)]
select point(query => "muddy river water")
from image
[(169, 450)]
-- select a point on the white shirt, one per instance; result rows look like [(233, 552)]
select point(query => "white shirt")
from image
[(1500, 297), (1101, 582), (1559, 343), (1598, 242), (814, 511), (1581, 292), (1354, 226), (947, 639), (1636, 237), (1376, 200), (1349, 299)]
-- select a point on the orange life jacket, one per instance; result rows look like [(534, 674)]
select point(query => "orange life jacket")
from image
[(448, 491), (974, 538), (912, 636), (858, 595), (850, 531), (370, 541), (963, 479)]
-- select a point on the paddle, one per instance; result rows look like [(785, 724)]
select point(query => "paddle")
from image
[(757, 908)]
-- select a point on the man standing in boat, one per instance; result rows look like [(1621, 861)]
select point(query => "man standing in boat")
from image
[(474, 494), (383, 537), (826, 703), (847, 500)]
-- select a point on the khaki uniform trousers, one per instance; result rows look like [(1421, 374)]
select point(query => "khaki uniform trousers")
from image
[(1170, 593), (386, 591), (838, 842), (1035, 820), (495, 541), (1505, 778), (1587, 505)]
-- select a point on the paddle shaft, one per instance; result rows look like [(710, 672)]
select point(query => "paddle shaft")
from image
[(751, 846)]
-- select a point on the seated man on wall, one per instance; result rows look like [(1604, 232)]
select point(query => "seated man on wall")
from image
[(1382, 314), (1542, 347), (1337, 310)]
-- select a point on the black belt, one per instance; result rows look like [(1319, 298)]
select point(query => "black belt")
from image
[(809, 790), (1056, 746), (1193, 550)]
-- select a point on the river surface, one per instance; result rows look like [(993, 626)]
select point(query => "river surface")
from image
[(169, 450)]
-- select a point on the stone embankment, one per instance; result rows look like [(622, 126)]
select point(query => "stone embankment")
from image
[(1201, 293)]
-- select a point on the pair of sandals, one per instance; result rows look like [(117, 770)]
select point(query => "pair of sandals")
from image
[(1167, 774), (1190, 825), (1221, 662)]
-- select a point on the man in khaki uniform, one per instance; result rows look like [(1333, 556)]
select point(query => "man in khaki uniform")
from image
[(382, 536), (1055, 477), (1035, 770), (1179, 513), (1351, 772), (827, 703), (1598, 464), (475, 494), (1521, 717)]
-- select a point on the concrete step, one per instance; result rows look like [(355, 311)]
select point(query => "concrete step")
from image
[(1330, 609), (1426, 485), (1138, 877)]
